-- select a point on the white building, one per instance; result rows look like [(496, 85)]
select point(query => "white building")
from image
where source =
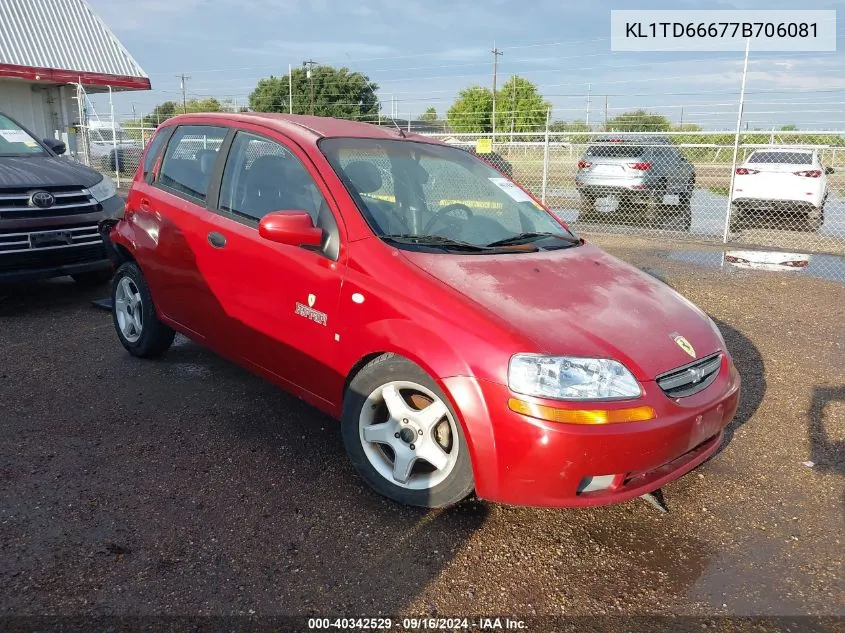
[(47, 49)]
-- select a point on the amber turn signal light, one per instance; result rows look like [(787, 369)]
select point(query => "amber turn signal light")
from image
[(581, 416)]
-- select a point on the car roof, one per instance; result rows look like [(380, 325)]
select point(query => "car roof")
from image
[(634, 140), (302, 127)]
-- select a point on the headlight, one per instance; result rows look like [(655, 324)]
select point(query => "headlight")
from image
[(103, 190), (571, 378)]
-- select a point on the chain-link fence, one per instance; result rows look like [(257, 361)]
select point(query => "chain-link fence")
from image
[(782, 193), (785, 191)]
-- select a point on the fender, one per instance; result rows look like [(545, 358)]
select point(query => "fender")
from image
[(451, 373)]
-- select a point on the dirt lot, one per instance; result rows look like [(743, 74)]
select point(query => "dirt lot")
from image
[(187, 486)]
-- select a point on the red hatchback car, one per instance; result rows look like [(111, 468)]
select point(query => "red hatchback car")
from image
[(466, 339)]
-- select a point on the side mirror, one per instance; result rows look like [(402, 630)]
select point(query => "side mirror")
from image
[(54, 144), (294, 228), (828, 170)]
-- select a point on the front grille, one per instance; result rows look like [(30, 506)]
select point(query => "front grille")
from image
[(48, 238), (691, 378), (15, 203)]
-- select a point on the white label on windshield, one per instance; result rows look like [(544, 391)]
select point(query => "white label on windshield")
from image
[(511, 189), (16, 136)]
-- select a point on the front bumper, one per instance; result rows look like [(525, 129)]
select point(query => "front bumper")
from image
[(524, 461), (34, 264)]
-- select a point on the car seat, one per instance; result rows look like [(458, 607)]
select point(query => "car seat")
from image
[(269, 186)]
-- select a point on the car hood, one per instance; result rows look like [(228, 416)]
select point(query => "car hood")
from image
[(45, 171), (580, 301)]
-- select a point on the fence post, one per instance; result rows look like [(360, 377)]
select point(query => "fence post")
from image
[(114, 140), (736, 143), (546, 157)]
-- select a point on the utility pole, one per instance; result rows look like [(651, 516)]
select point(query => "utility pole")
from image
[(513, 106), (182, 78), (496, 54), (682, 118), (605, 112), (310, 74), (589, 101)]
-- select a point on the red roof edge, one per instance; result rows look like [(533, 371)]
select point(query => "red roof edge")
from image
[(73, 76)]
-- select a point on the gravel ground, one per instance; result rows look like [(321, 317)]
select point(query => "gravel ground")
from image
[(188, 486)]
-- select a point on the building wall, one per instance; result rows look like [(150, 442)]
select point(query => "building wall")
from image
[(47, 110)]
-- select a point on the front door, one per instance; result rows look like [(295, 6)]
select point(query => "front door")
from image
[(281, 301)]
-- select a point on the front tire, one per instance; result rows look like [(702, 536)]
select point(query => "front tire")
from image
[(403, 437), (138, 327)]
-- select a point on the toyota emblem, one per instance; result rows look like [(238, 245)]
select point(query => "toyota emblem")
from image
[(42, 199)]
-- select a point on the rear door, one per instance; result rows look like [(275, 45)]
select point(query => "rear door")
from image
[(169, 225), (280, 301)]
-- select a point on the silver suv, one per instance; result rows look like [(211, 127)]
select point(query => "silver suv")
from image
[(648, 172)]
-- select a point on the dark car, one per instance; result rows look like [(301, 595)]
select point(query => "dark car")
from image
[(50, 208), (496, 160)]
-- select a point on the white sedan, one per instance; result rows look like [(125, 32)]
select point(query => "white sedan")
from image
[(777, 181)]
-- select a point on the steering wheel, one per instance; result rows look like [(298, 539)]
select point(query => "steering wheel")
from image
[(455, 206)]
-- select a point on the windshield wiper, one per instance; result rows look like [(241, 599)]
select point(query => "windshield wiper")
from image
[(531, 236), (433, 240)]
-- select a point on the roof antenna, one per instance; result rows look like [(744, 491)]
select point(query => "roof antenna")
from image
[(398, 128)]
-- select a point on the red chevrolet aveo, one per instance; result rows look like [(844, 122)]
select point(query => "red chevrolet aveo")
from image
[(466, 339)]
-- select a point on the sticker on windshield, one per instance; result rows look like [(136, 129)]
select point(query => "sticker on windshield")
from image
[(511, 189), (16, 136)]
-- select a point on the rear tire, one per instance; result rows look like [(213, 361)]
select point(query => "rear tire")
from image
[(391, 431), (736, 223), (815, 219), (138, 327), (588, 209)]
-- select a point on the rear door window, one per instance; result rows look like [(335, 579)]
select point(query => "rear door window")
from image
[(189, 160)]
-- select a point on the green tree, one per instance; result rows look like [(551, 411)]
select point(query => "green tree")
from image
[(164, 111), (577, 125), (472, 110), (429, 115), (789, 127), (520, 107), (338, 93), (639, 121)]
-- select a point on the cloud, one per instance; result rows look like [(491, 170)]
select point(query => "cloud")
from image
[(326, 52)]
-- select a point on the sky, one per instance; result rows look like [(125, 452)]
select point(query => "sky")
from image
[(421, 53)]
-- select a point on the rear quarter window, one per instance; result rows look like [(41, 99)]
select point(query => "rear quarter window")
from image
[(153, 151)]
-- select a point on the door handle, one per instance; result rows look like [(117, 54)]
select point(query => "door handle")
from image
[(217, 240)]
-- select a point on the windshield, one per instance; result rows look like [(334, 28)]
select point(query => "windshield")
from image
[(439, 196), (783, 158), (15, 141)]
